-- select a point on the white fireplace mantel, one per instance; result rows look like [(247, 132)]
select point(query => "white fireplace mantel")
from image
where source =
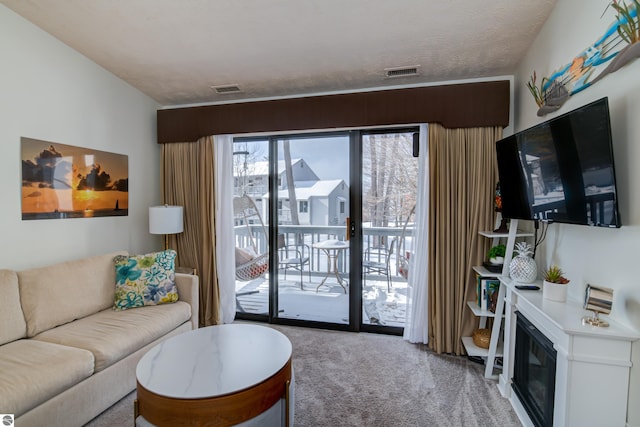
[(592, 367)]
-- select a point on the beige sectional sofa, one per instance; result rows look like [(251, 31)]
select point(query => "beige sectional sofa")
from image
[(65, 354)]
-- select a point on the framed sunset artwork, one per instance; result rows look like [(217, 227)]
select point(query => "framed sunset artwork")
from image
[(64, 181)]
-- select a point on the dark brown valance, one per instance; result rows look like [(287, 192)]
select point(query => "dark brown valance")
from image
[(454, 106)]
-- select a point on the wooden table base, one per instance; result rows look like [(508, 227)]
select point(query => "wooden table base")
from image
[(226, 410)]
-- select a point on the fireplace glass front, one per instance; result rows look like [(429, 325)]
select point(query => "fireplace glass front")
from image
[(534, 372)]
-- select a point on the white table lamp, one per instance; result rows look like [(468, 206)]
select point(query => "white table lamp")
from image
[(165, 220)]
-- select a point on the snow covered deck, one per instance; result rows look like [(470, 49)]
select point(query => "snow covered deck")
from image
[(328, 303)]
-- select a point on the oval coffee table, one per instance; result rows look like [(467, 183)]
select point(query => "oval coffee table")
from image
[(217, 376)]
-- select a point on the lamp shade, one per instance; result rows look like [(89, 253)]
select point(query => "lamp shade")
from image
[(165, 219)]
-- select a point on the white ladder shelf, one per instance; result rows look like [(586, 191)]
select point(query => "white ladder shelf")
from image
[(497, 320)]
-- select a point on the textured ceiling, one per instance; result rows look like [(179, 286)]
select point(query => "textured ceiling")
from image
[(176, 50)]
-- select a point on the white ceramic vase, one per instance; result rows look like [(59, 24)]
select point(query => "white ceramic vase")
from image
[(497, 260), (554, 291)]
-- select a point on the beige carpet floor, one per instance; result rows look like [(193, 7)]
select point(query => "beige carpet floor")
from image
[(348, 379)]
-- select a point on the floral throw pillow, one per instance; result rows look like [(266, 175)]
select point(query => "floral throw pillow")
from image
[(145, 280)]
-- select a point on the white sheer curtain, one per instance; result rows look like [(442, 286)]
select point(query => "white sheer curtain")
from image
[(416, 328), (223, 155)]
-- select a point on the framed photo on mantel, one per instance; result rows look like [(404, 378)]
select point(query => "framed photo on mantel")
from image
[(63, 181)]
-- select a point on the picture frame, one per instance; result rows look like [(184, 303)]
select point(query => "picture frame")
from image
[(64, 181)]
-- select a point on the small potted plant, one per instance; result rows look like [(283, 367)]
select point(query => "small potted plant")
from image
[(496, 254), (554, 285)]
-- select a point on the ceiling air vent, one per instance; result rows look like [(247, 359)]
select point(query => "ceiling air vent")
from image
[(402, 71), (226, 89)]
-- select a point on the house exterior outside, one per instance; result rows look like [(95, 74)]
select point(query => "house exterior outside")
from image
[(255, 180), (320, 202)]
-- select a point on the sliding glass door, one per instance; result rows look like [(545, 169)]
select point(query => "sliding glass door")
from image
[(389, 177), (312, 200), (327, 234), (298, 187)]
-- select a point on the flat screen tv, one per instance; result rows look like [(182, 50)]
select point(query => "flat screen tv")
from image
[(561, 170)]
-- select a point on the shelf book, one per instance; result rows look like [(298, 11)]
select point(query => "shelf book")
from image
[(486, 288)]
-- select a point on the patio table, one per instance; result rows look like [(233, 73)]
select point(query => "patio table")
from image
[(332, 249)]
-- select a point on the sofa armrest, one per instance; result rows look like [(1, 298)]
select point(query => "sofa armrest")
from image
[(188, 291)]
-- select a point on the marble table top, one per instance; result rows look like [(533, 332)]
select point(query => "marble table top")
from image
[(213, 361)]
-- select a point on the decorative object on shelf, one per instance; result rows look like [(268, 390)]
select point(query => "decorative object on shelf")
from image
[(599, 300), (493, 301), (486, 288), (482, 337), (166, 220), (523, 268), (554, 285), (497, 203), (496, 254), (575, 76)]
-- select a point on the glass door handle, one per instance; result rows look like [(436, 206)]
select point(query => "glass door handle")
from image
[(351, 228)]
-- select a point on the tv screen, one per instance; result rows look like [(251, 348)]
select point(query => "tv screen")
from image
[(561, 170)]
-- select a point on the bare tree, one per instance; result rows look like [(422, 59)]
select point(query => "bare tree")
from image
[(293, 202), (389, 179), (374, 196), (245, 157)]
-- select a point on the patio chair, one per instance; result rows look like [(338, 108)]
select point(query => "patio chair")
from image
[(377, 260), (293, 256)]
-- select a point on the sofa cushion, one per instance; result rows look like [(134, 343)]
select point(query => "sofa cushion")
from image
[(32, 372), (112, 335), (13, 325), (145, 280), (60, 293)]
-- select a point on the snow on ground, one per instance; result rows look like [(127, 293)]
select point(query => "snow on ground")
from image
[(327, 303)]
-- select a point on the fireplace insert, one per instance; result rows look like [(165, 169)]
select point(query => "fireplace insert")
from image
[(534, 372)]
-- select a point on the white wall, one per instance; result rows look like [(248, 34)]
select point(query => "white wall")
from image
[(608, 257), (50, 92)]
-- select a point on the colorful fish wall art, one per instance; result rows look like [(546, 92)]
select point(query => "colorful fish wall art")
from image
[(618, 46)]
